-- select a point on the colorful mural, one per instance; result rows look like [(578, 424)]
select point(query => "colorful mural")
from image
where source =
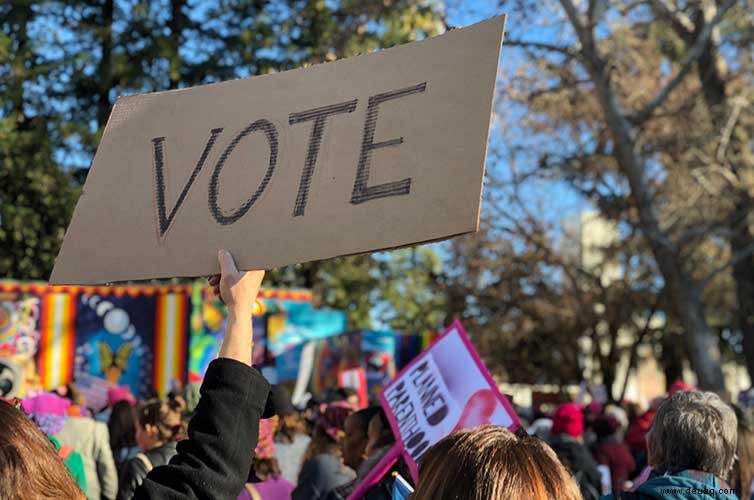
[(19, 342)]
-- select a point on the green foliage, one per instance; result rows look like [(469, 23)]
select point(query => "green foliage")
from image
[(62, 64)]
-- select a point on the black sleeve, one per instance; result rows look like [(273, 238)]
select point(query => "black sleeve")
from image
[(133, 475), (214, 461)]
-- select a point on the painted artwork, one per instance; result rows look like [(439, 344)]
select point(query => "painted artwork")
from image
[(114, 343), (19, 342)]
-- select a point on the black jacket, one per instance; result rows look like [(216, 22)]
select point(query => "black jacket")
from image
[(135, 470), (577, 457), (214, 461)]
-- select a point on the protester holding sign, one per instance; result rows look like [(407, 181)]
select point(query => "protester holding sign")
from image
[(212, 463)]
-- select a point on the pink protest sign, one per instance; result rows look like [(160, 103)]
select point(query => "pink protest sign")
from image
[(445, 389)]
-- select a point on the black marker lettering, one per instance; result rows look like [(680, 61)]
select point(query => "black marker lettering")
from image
[(319, 115), (361, 190), (272, 139), (163, 220)]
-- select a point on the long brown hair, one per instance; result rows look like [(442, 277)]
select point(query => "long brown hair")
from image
[(491, 463), (30, 468)]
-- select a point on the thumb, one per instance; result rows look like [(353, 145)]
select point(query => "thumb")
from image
[(227, 264)]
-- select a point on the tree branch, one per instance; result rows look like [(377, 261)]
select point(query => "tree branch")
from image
[(636, 344), (739, 256), (687, 64), (567, 51), (680, 22)]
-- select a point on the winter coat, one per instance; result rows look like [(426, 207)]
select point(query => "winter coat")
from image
[(214, 461), (91, 440), (320, 475), (136, 469), (684, 485), (578, 459), (616, 455)]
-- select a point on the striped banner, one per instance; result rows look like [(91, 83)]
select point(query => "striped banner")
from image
[(170, 341), (56, 342)]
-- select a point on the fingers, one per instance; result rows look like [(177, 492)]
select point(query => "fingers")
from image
[(227, 264)]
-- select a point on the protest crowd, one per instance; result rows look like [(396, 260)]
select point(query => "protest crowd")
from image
[(242, 438)]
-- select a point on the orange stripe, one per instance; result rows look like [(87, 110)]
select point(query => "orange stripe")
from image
[(70, 328), (180, 365), (44, 340)]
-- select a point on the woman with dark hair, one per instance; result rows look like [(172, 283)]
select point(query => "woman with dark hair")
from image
[(371, 439), (122, 427), (492, 463), (323, 468), (158, 425), (29, 463)]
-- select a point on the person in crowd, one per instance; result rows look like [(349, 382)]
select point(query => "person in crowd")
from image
[(691, 448), (90, 439), (212, 463), (613, 452), (380, 440), (742, 475), (115, 395), (492, 463), (158, 425), (122, 428), (323, 469), (621, 418), (265, 481), (353, 448), (30, 466), (49, 412), (78, 406), (291, 439), (566, 440)]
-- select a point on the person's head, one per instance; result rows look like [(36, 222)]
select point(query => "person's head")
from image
[(491, 463), (157, 424), (693, 430), (77, 397), (355, 438), (122, 425), (29, 464), (379, 433), (119, 393), (329, 429), (348, 395), (568, 420), (605, 426)]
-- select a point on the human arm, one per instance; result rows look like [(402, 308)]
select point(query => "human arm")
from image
[(214, 461)]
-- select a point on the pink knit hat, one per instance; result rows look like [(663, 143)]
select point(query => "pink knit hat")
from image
[(332, 418), (120, 393), (568, 419), (266, 444)]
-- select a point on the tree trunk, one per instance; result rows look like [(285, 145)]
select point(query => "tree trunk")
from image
[(681, 289), (710, 71)]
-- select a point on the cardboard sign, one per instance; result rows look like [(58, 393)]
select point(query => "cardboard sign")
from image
[(373, 152), (445, 389)]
